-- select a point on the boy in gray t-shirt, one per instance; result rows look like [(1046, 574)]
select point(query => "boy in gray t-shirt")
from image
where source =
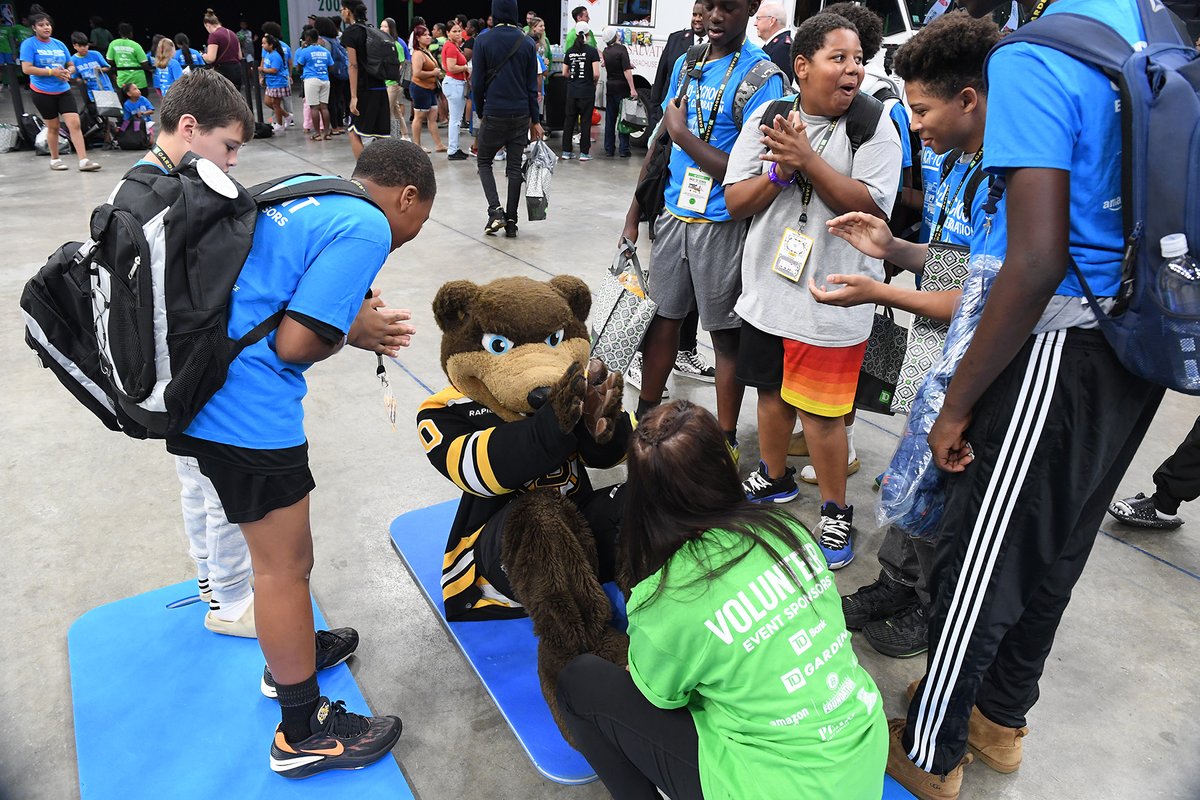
[(792, 178)]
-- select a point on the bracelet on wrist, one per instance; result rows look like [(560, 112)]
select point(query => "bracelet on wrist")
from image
[(778, 181)]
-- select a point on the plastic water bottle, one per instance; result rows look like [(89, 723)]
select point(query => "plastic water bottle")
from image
[(1179, 281)]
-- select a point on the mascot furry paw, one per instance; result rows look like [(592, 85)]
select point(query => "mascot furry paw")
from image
[(524, 415)]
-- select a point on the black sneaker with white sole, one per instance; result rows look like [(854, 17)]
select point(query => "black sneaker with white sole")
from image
[(339, 740), (835, 534), (880, 600), (690, 364), (333, 647), (1141, 512), (902, 636), (510, 229)]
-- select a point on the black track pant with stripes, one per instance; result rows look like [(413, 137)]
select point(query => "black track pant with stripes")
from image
[(1052, 437)]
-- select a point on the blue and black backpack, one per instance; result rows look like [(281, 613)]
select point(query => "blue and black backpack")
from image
[(1159, 86)]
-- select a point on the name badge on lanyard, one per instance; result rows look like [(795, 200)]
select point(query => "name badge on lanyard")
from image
[(693, 194), (792, 255)]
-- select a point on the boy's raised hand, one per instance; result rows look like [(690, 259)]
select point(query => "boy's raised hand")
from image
[(868, 234), (787, 143)]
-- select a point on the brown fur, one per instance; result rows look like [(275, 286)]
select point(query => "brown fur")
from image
[(547, 546)]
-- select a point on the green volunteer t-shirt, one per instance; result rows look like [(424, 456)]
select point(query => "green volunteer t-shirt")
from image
[(762, 659), (124, 53)]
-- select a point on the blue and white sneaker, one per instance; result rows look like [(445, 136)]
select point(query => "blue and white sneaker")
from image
[(761, 488), (834, 534)]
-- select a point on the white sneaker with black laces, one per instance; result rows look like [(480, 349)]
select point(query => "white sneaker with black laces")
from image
[(633, 375), (690, 364)]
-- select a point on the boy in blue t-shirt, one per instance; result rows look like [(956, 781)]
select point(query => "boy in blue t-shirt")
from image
[(316, 258), (90, 66), (698, 245), (1040, 421), (314, 62), (136, 105)]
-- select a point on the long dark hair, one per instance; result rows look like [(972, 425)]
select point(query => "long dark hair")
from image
[(185, 46), (683, 483)]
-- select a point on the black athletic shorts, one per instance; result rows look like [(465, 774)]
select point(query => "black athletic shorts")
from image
[(251, 483), (51, 105), (759, 358), (374, 113)]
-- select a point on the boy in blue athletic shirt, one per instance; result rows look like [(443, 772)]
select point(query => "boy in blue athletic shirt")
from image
[(698, 246), (90, 66), (314, 62), (1028, 490), (316, 258), (136, 105)]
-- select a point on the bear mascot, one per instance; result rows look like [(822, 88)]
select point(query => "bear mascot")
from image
[(525, 413)]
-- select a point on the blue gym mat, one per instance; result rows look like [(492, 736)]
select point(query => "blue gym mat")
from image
[(165, 708), (503, 653)]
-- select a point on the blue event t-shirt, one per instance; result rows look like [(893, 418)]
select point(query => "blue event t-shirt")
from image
[(197, 58), (89, 69), (724, 131), (960, 224), (50, 53), (314, 256), (315, 61), (931, 176), (131, 108), (165, 76), (1047, 110), (275, 80)]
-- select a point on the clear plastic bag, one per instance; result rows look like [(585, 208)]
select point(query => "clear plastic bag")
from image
[(911, 492), (539, 169)]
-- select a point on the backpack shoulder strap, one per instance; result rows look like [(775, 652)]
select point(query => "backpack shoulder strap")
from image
[(271, 193), (754, 80), (494, 70), (862, 120), (887, 91), (690, 60), (977, 178), (781, 107), (947, 163), (1082, 38)]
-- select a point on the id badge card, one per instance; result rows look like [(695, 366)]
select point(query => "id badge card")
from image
[(793, 253), (693, 195)]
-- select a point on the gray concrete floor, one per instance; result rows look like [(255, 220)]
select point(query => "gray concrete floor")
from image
[(92, 517)]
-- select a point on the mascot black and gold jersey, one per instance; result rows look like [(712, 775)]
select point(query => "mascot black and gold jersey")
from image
[(491, 460)]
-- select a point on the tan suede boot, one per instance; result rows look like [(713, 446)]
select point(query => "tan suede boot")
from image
[(924, 785), (996, 745)]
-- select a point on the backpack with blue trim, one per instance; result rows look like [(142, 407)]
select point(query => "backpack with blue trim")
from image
[(1159, 88), (134, 321)]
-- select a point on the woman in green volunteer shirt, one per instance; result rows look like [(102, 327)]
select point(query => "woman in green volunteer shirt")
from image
[(128, 57), (741, 680)]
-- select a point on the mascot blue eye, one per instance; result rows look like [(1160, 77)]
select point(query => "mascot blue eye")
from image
[(555, 339), (496, 344)]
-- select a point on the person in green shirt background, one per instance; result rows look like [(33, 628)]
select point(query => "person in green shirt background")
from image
[(579, 14), (741, 680), (128, 57), (100, 37)]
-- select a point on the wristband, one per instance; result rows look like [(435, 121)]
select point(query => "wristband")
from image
[(775, 179)]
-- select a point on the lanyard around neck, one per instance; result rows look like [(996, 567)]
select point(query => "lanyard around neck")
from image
[(807, 185), (705, 131), (948, 203), (162, 156), (1038, 9)]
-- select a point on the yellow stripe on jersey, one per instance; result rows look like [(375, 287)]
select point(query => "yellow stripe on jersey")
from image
[(441, 399), (462, 546), (484, 465), (465, 581)]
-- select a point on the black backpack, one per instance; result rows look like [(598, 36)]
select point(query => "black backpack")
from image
[(383, 62), (134, 321), (861, 119)]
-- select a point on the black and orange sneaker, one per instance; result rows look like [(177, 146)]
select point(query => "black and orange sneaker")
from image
[(333, 647), (339, 740)]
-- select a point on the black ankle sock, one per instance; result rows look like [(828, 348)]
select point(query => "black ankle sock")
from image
[(645, 406), (297, 702)]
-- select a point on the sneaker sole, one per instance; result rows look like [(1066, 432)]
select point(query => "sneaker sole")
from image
[(895, 652), (270, 691), (781, 497), (693, 376), (1158, 525), (851, 468), (841, 564), (309, 765)]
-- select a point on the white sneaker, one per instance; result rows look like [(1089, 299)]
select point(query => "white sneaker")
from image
[(633, 375), (809, 475), (289, 121), (57, 165), (690, 364), (278, 128)]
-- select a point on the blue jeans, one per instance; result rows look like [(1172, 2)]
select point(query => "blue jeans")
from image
[(612, 110), (214, 543), (457, 100)]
